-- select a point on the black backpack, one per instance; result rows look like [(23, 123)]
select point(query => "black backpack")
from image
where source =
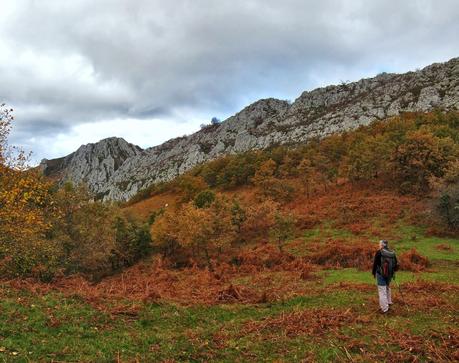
[(388, 263)]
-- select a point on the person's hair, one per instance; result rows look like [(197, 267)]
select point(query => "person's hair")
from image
[(384, 242)]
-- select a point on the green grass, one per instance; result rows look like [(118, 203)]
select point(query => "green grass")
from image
[(161, 332), (415, 237), (83, 333), (354, 275), (407, 237)]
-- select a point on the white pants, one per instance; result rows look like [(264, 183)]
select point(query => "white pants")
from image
[(385, 298)]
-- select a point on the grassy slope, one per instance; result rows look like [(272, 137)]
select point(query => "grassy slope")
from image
[(49, 325)]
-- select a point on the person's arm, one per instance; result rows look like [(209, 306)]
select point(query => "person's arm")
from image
[(376, 262), (396, 264)]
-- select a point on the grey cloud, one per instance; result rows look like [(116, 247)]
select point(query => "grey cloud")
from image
[(86, 61)]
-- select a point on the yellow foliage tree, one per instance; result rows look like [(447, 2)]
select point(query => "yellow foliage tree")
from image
[(25, 202), (206, 232)]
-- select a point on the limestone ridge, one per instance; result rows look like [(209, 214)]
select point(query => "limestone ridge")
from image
[(117, 170)]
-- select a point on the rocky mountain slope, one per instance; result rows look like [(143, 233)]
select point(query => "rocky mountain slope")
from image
[(117, 170), (93, 164)]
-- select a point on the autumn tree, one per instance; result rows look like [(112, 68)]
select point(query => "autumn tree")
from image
[(97, 238), (238, 216), (165, 232), (367, 157), (269, 186), (327, 172), (190, 186), (259, 219), (420, 157), (25, 203), (307, 175), (206, 232)]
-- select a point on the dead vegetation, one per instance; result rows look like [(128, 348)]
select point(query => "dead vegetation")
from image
[(412, 260), (340, 253), (444, 247), (335, 323), (314, 322), (272, 278), (268, 257)]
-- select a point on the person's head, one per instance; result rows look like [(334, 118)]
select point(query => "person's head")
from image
[(383, 244)]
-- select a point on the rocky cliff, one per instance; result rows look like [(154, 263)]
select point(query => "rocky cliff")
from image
[(93, 164), (116, 170)]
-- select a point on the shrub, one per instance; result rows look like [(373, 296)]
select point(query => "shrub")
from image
[(133, 241), (283, 229), (204, 199), (155, 214), (447, 207), (344, 254), (190, 186), (97, 238), (412, 260)]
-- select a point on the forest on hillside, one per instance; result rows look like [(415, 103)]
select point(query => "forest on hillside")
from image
[(64, 231)]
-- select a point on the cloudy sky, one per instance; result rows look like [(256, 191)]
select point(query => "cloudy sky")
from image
[(148, 70)]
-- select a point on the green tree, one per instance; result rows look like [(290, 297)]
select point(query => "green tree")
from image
[(204, 199), (283, 229)]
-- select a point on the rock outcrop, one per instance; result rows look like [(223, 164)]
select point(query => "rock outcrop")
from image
[(116, 170), (93, 164)]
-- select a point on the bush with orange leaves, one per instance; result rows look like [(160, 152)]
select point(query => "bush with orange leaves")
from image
[(412, 260)]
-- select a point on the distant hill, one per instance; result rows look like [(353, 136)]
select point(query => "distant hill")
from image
[(116, 170)]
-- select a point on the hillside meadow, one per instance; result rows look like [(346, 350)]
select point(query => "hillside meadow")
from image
[(262, 256)]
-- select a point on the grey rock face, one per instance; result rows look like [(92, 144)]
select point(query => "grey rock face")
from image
[(119, 171), (93, 164)]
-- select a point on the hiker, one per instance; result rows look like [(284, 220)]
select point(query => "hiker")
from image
[(384, 267)]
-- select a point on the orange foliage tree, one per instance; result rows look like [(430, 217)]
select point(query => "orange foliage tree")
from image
[(269, 185)]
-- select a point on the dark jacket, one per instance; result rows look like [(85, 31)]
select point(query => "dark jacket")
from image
[(377, 263)]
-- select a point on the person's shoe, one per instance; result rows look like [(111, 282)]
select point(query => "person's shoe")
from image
[(382, 312)]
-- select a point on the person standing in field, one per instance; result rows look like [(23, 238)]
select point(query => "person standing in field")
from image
[(384, 267)]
